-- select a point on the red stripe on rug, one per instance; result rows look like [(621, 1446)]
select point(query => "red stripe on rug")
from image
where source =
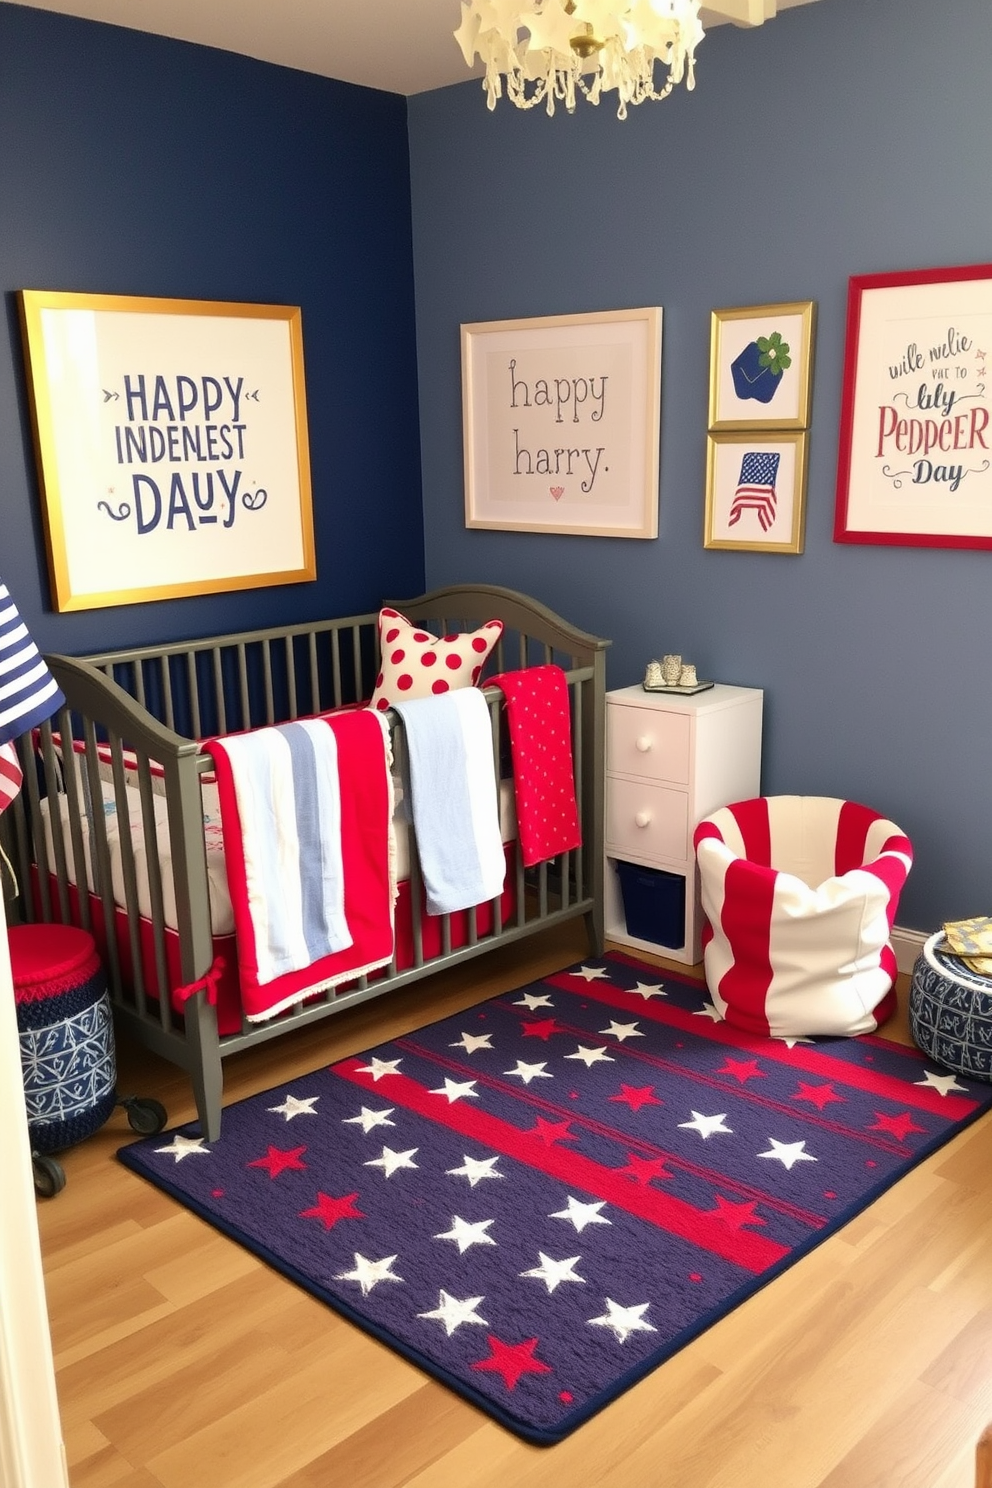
[(634, 1143), (751, 1252), (811, 1060)]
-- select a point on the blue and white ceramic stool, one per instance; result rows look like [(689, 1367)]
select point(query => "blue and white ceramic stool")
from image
[(950, 1012)]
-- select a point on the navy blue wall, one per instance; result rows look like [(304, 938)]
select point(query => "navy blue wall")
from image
[(843, 138), (130, 164)]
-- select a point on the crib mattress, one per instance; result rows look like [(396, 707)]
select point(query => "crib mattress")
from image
[(221, 913)]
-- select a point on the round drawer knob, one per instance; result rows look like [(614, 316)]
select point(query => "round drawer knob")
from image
[(643, 818), (643, 744)]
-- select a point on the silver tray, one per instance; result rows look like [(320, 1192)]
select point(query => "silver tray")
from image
[(679, 691)]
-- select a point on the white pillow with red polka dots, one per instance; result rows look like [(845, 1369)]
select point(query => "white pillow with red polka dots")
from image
[(416, 664)]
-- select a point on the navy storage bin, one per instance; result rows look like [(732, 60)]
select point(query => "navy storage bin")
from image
[(653, 904)]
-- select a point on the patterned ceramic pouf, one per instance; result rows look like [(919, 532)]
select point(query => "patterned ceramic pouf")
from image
[(66, 1033), (950, 1012)]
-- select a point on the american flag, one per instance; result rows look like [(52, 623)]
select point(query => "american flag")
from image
[(756, 488), (28, 692)]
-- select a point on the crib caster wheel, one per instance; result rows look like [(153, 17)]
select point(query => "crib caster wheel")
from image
[(49, 1175), (145, 1115)]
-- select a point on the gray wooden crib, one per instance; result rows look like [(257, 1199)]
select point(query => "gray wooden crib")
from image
[(134, 871)]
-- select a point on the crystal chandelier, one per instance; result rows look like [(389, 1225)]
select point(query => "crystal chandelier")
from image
[(551, 52)]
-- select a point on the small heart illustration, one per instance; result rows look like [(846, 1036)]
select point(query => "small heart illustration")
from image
[(557, 492)]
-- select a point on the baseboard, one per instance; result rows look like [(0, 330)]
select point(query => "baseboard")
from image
[(907, 945)]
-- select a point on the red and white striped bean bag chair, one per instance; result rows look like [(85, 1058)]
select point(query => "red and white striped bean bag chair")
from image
[(800, 894)]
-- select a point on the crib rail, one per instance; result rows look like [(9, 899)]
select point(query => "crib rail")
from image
[(128, 744)]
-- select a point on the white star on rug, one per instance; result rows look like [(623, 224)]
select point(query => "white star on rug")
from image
[(580, 1214), (181, 1147), (477, 1168), (391, 1161), (528, 1072), (292, 1106), (369, 1273), (471, 1042), (532, 1001), (621, 1031), (453, 1311), (647, 990), (380, 1067), (708, 1011), (369, 1119), (592, 973), (456, 1090), (465, 1234), (553, 1273), (706, 1125), (790, 1043), (591, 1056), (944, 1083), (623, 1321), (788, 1153)]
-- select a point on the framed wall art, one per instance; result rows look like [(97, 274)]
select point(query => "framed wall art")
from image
[(915, 460), (756, 491), (761, 366), (172, 446), (561, 423)]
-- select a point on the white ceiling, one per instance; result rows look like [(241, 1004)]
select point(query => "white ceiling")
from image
[(402, 46)]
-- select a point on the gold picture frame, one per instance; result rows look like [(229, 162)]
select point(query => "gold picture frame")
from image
[(761, 366), (561, 419), (756, 490), (172, 445)]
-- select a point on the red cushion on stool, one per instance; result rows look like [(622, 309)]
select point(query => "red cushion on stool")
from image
[(47, 960)]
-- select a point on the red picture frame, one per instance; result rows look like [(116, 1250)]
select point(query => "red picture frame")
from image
[(915, 455)]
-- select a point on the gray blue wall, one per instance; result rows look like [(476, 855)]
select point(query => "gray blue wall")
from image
[(130, 164), (849, 137)]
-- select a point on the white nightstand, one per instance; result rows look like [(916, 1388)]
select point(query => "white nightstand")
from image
[(670, 761)]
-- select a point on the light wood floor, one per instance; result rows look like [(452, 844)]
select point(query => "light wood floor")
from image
[(183, 1362)]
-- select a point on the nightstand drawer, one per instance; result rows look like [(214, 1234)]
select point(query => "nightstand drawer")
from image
[(647, 821), (644, 741)]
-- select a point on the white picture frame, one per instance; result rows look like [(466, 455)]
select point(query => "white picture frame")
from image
[(561, 423)]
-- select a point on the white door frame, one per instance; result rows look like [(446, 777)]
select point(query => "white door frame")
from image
[(32, 1453)]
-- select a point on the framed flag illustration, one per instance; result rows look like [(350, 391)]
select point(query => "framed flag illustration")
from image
[(755, 491)]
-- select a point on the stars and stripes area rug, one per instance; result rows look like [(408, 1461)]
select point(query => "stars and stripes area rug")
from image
[(541, 1199)]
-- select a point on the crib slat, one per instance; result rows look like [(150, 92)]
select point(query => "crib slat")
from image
[(76, 816), (51, 771), (194, 694), (243, 686), (220, 702), (153, 865), (290, 654), (270, 712), (126, 845), (100, 857), (336, 667), (165, 675), (356, 661)]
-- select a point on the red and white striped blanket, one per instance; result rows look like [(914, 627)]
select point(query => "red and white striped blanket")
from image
[(307, 812)]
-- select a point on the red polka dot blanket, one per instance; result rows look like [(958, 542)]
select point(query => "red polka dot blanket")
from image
[(543, 771)]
